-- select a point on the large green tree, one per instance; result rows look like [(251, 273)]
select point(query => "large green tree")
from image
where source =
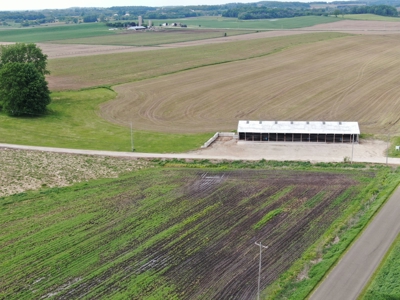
[(24, 53), (23, 89)]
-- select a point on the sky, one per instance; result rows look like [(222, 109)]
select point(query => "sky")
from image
[(51, 4)]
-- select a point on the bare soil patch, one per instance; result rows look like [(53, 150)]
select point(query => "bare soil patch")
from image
[(367, 150), (23, 170)]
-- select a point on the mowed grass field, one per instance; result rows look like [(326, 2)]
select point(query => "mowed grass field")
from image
[(73, 122), (45, 33), (151, 38), (370, 17), (184, 233), (347, 79), (261, 24)]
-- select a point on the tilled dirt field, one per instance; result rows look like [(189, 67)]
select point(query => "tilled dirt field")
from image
[(354, 79), (23, 170)]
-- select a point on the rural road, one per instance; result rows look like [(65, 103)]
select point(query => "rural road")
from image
[(348, 278), (246, 151)]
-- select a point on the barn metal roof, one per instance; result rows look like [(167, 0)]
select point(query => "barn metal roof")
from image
[(313, 127)]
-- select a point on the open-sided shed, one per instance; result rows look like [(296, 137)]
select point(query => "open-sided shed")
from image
[(299, 131)]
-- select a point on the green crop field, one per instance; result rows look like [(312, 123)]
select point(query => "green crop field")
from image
[(185, 233), (54, 33), (151, 38), (262, 24), (371, 17), (73, 122)]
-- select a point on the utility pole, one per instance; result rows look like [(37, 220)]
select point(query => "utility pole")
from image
[(352, 149), (387, 149), (259, 269), (133, 148)]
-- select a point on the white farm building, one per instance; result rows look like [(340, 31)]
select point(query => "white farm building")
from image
[(298, 131)]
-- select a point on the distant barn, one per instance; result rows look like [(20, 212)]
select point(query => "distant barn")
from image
[(298, 131)]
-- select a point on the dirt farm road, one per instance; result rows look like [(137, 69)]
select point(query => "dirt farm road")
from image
[(351, 274), (368, 151)]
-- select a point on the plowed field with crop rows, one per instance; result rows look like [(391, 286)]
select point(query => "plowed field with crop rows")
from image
[(351, 79), (167, 233)]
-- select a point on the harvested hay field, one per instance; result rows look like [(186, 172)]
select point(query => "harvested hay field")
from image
[(351, 79)]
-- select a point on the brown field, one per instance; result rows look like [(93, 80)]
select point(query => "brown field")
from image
[(349, 79)]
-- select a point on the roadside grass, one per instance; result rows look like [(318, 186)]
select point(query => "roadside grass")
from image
[(153, 38), (124, 235), (395, 141), (73, 122), (385, 283), (111, 69), (45, 33), (260, 24), (370, 17)]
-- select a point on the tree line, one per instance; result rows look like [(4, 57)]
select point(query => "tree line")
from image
[(258, 10)]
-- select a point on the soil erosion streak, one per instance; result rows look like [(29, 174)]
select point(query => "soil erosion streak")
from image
[(351, 274)]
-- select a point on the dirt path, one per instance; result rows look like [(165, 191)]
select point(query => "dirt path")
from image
[(351, 274), (371, 151)]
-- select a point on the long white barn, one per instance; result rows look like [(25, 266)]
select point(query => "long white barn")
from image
[(299, 131)]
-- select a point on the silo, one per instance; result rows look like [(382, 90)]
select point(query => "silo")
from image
[(150, 23), (140, 21)]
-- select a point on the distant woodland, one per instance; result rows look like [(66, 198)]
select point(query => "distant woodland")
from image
[(244, 11)]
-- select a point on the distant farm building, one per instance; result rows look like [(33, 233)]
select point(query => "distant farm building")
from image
[(298, 131), (136, 28)]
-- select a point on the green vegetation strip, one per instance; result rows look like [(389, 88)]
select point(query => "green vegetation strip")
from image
[(371, 17), (262, 24), (46, 33), (267, 217), (73, 122)]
